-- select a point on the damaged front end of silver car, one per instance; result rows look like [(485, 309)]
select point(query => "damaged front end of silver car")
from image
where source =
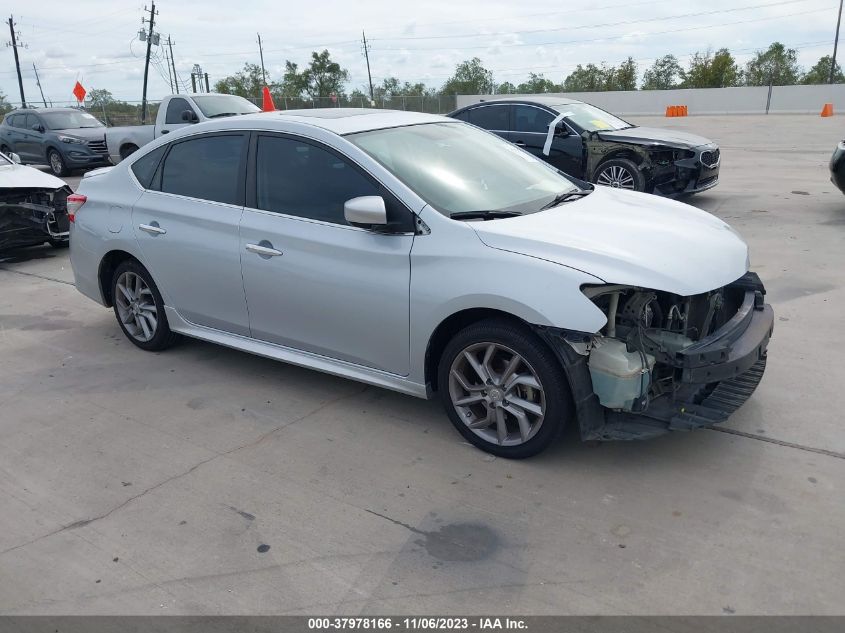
[(31, 216), (665, 362)]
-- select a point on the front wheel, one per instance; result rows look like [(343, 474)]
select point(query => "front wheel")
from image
[(620, 173), (139, 308), (504, 389), (57, 163)]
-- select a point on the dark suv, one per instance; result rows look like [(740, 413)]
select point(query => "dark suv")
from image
[(63, 138), (586, 142)]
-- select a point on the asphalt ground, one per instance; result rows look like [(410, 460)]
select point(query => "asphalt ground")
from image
[(204, 480)]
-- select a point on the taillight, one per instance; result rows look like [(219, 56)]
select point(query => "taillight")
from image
[(74, 204)]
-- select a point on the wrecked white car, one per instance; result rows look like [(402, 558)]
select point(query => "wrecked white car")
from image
[(33, 206)]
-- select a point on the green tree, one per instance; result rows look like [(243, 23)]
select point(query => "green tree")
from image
[(589, 78), (663, 74), (506, 88), (470, 78), (820, 73), (778, 65), (99, 98), (292, 85), (712, 70), (624, 77), (537, 84), (5, 106), (323, 77), (244, 83)]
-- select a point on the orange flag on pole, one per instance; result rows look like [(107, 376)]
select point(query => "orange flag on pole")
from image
[(79, 92)]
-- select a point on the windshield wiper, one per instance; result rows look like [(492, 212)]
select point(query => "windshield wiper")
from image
[(214, 116), (565, 196), (484, 215)]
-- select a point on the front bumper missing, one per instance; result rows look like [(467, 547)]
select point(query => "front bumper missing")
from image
[(714, 377)]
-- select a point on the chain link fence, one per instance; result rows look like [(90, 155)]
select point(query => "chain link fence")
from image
[(120, 113)]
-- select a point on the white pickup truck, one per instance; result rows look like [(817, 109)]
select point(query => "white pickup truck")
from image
[(175, 111)]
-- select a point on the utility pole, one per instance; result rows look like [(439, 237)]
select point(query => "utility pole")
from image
[(152, 11), (14, 44), (261, 53), (38, 83), (369, 75), (835, 43), (170, 44), (169, 74)]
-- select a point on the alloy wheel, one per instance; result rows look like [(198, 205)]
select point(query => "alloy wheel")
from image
[(497, 394), (617, 177), (136, 306), (56, 163)]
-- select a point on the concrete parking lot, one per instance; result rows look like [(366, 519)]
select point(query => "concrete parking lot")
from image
[(207, 481)]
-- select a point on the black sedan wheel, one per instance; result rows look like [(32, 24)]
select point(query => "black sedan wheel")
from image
[(620, 173)]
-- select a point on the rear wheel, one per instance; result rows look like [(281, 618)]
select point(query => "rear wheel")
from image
[(139, 308), (503, 389), (620, 173)]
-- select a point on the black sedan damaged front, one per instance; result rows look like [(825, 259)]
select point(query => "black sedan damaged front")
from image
[(671, 163), (665, 362)]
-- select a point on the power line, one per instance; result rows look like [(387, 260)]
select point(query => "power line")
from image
[(613, 37)]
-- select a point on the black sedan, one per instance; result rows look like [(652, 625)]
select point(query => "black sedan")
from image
[(837, 167), (586, 142)]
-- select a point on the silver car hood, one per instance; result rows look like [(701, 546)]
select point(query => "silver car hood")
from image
[(23, 177), (628, 238)]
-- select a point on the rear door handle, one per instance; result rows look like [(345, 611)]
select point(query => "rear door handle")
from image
[(265, 249), (519, 143), (152, 229)]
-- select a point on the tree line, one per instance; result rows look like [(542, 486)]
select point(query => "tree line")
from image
[(323, 78)]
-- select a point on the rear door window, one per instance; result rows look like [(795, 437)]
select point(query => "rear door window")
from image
[(207, 167), (493, 117), (145, 167)]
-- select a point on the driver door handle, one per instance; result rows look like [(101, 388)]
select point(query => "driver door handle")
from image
[(264, 251)]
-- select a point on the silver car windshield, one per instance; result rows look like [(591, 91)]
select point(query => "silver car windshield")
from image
[(224, 105), (456, 168)]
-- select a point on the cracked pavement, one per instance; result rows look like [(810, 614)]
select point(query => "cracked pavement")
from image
[(138, 483)]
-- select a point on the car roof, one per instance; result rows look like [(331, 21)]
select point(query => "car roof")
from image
[(45, 110), (337, 120), (546, 101)]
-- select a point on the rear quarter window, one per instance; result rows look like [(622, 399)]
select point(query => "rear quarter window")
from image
[(145, 167)]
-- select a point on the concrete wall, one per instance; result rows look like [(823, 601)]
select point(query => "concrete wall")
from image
[(750, 100)]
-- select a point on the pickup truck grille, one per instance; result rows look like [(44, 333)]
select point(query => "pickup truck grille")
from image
[(99, 146)]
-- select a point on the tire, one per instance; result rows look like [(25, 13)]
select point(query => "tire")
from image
[(127, 150), (620, 173), (57, 163), (150, 334), (469, 399)]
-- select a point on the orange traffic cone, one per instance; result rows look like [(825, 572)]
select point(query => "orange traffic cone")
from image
[(670, 111), (684, 111), (268, 105), (827, 110)]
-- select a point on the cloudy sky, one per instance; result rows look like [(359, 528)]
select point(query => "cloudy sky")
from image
[(97, 42)]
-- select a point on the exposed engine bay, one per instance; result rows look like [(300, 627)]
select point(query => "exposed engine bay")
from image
[(30, 216), (665, 362)]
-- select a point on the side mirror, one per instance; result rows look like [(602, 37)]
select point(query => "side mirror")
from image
[(15, 158), (189, 116), (366, 211), (37, 128)]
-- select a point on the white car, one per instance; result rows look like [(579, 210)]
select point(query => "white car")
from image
[(422, 254), (33, 206)]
